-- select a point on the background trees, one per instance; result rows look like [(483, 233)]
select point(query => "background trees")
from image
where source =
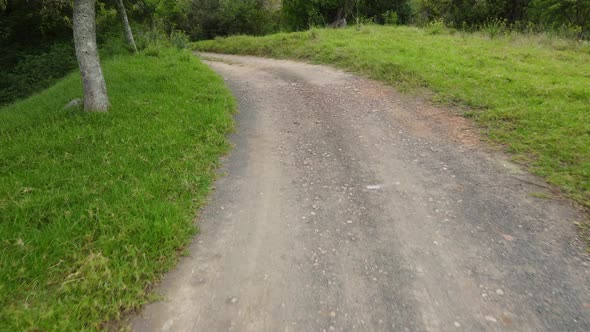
[(573, 12), (546, 14), (126, 26), (301, 14), (209, 18), (36, 45)]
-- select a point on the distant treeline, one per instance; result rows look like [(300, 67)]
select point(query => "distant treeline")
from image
[(541, 14), (25, 23), (203, 19), (36, 37), (29, 22), (535, 15)]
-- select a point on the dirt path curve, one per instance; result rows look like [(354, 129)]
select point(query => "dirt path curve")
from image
[(348, 207)]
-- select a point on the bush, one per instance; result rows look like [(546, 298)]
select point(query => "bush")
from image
[(390, 18), (435, 27), (570, 31), (525, 27), (150, 37), (179, 39), (364, 20), (495, 27)]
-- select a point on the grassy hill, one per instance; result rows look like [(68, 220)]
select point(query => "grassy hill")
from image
[(95, 207), (531, 93)]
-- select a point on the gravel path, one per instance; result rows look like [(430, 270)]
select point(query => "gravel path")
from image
[(346, 206)]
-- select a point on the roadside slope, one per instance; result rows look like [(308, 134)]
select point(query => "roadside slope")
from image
[(529, 93), (95, 207), (348, 206)]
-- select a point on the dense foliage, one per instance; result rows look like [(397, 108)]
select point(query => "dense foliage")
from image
[(472, 14), (209, 18), (36, 46), (301, 14), (548, 14), (572, 12)]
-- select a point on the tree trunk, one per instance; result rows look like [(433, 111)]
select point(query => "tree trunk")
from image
[(95, 89), (126, 26)]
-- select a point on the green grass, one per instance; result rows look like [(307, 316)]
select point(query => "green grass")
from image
[(529, 93), (95, 207)]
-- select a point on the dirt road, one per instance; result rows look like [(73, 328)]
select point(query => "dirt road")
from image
[(346, 206)]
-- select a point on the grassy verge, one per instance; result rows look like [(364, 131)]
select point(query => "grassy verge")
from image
[(530, 93), (95, 207)]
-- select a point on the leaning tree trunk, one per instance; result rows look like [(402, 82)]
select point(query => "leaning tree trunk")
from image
[(126, 26), (95, 89)]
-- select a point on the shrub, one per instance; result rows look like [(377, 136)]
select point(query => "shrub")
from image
[(179, 39), (569, 31), (525, 27), (390, 18), (150, 37), (435, 27), (363, 20), (495, 27)]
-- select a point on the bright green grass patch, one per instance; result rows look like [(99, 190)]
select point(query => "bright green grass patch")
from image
[(530, 93), (95, 207)]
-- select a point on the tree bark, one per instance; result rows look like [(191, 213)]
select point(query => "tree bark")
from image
[(95, 89), (126, 26)]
